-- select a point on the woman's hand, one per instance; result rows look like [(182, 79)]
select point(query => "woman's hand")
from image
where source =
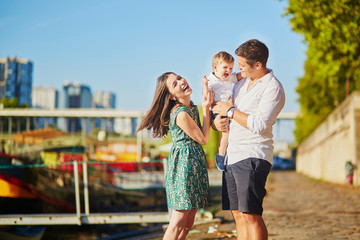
[(205, 82), (208, 100), (221, 124), (221, 108)]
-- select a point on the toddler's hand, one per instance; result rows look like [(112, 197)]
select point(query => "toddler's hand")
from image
[(239, 76)]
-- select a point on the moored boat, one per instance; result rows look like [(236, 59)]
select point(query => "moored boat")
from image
[(22, 232), (55, 186)]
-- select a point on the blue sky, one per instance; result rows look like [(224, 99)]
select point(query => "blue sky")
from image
[(123, 46)]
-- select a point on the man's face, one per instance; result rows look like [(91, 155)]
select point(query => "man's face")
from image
[(245, 69)]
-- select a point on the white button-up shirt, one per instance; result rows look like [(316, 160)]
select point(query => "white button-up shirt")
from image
[(263, 102), (222, 89)]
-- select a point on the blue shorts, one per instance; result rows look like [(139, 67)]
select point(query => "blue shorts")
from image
[(244, 185)]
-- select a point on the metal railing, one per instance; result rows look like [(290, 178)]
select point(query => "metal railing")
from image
[(85, 217)]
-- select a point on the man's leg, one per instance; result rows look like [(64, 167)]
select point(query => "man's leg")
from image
[(249, 226), (241, 228), (256, 226), (250, 176)]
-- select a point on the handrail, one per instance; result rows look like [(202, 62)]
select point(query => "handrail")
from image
[(86, 189), (80, 218), (77, 190)]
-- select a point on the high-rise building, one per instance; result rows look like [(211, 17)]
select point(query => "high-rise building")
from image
[(74, 95), (45, 97), (104, 99), (16, 79)]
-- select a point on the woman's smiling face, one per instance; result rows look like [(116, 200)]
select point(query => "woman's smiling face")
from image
[(178, 86)]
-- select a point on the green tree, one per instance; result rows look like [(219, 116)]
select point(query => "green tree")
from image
[(12, 103), (212, 147), (332, 69), (9, 103)]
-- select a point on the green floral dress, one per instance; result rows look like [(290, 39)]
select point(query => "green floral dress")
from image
[(187, 183)]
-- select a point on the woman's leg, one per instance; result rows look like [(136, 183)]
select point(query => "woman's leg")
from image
[(180, 223), (189, 223)]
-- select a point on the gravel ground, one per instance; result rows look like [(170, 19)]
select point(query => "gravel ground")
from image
[(296, 207)]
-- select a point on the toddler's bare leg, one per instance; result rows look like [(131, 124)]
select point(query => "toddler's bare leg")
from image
[(223, 143)]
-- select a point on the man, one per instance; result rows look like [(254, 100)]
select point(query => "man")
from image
[(257, 100)]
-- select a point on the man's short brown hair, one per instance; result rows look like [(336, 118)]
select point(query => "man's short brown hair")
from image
[(254, 51)]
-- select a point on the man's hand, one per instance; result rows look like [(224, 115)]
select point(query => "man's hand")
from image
[(221, 124), (221, 108)]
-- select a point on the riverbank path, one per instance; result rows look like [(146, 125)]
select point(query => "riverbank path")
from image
[(297, 207)]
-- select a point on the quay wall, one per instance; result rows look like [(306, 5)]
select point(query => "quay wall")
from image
[(337, 140)]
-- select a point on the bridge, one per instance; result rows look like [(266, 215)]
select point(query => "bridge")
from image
[(92, 113), (75, 113), (85, 114), (71, 113), (81, 113)]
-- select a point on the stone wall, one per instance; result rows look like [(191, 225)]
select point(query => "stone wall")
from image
[(337, 140)]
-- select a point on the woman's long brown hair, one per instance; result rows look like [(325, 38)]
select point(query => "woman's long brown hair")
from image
[(158, 116)]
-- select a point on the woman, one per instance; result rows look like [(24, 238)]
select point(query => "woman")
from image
[(186, 180)]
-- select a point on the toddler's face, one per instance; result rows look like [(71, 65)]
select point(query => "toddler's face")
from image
[(223, 70)]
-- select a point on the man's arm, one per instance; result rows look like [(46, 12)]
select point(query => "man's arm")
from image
[(222, 108), (265, 115), (269, 107)]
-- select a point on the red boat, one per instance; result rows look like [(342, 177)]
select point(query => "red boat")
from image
[(52, 188)]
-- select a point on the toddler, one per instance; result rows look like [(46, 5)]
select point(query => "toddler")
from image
[(221, 82)]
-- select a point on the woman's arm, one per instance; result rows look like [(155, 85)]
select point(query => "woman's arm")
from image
[(189, 126), (186, 123)]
